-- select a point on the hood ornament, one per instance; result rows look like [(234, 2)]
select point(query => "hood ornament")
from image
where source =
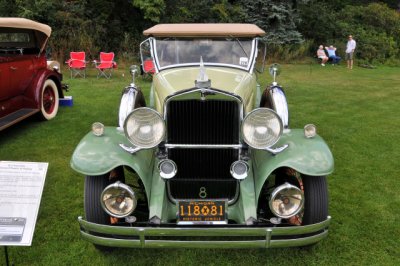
[(202, 81)]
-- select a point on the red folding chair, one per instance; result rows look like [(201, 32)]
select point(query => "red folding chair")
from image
[(106, 65), (77, 64)]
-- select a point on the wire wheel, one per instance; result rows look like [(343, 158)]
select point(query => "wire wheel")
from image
[(49, 100)]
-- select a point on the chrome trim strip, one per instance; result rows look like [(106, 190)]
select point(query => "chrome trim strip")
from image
[(88, 231), (203, 146), (237, 98), (277, 150), (206, 64), (131, 150), (254, 52)]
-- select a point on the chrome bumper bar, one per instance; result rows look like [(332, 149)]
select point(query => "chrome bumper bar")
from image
[(168, 237)]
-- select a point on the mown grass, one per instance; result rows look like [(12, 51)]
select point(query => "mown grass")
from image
[(357, 113)]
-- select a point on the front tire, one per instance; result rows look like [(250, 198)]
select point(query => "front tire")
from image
[(94, 186), (316, 199), (49, 100)]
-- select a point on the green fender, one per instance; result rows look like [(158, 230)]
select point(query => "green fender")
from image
[(307, 156), (99, 155)]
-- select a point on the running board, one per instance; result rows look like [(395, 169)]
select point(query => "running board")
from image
[(17, 116)]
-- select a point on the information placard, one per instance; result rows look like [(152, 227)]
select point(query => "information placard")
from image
[(21, 187)]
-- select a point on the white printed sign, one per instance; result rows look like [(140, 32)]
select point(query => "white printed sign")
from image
[(21, 187), (243, 61)]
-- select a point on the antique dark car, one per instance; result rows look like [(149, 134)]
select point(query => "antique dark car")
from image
[(29, 84), (210, 161)]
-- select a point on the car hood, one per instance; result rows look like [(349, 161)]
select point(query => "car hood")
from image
[(236, 81)]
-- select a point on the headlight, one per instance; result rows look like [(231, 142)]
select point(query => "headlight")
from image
[(286, 201), (144, 127), (261, 128), (118, 200)]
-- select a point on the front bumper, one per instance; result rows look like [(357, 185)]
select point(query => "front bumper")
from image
[(168, 237)]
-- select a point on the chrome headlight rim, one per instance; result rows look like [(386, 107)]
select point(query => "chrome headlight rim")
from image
[(131, 193), (278, 136), (128, 136), (279, 189)]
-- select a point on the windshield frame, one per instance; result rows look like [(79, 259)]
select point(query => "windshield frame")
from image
[(248, 68)]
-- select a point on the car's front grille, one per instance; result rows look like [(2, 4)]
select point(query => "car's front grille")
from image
[(210, 122), (203, 122)]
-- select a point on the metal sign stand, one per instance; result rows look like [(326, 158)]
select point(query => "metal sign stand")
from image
[(6, 256)]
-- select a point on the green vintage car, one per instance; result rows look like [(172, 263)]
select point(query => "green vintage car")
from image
[(210, 161)]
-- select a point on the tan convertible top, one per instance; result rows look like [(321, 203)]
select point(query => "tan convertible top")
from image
[(23, 23), (205, 30)]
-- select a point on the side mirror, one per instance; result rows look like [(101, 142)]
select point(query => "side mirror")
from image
[(133, 69), (275, 70)]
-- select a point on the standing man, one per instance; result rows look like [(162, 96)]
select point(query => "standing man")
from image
[(350, 47)]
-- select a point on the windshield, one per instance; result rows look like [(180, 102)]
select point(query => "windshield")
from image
[(236, 52)]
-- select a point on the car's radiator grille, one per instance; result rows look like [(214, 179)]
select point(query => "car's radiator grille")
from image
[(203, 122)]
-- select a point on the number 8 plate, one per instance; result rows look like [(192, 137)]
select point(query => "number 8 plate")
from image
[(202, 212)]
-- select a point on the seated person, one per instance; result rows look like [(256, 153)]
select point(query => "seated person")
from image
[(332, 54), (321, 54)]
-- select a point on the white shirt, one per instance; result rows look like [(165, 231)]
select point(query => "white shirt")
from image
[(351, 45)]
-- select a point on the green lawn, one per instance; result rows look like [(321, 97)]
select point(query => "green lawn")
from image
[(356, 111)]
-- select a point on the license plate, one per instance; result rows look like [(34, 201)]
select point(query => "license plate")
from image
[(202, 212)]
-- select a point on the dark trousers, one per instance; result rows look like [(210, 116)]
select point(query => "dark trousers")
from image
[(335, 59)]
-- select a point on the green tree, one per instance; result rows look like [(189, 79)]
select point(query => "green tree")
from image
[(376, 28), (8, 8), (278, 18), (152, 9), (201, 11)]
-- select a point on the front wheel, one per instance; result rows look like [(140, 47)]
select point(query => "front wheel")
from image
[(316, 199), (94, 186), (49, 100)]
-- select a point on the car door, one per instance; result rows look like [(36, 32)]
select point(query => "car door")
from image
[(21, 71), (4, 78)]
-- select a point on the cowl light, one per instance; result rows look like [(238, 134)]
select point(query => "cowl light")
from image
[(310, 131), (98, 129)]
